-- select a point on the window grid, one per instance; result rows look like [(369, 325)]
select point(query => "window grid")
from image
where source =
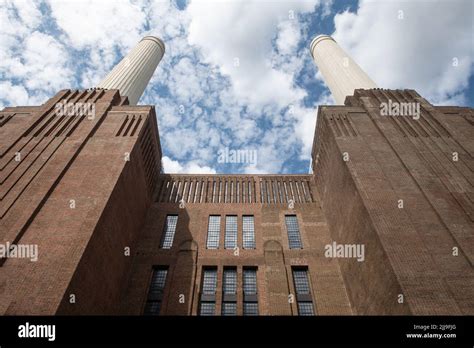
[(153, 308), (207, 308), (300, 277), (229, 287), (209, 285), (213, 232), (230, 241), (302, 287), (250, 308), (250, 288), (292, 227), (158, 281), (248, 231), (250, 281), (209, 281), (229, 308), (305, 308), (157, 287), (169, 231), (229, 281)]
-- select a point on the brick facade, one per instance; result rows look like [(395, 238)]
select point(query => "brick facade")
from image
[(409, 250), (90, 194)]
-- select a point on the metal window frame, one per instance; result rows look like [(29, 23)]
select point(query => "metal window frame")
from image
[(167, 238)]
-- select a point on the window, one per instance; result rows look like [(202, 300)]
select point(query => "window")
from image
[(294, 238), (213, 232), (303, 291), (229, 291), (209, 283), (230, 241), (155, 293), (229, 308), (250, 291), (248, 231), (208, 293), (169, 231), (230, 281), (208, 308)]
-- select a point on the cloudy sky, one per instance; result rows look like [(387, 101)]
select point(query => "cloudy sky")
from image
[(236, 74)]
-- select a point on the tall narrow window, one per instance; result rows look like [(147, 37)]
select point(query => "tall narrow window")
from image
[(229, 291), (303, 291), (248, 231), (293, 229), (213, 232), (230, 241), (250, 291), (155, 293), (169, 231), (208, 293)]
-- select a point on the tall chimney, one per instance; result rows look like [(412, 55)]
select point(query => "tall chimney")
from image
[(135, 70), (341, 74)]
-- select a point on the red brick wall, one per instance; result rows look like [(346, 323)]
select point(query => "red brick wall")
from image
[(392, 159), (83, 245), (272, 256)]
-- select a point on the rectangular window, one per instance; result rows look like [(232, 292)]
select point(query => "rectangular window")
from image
[(213, 232), (229, 291), (293, 229), (229, 308), (169, 231), (208, 292), (208, 308), (250, 291), (209, 281), (230, 241), (155, 293), (303, 291), (248, 231)]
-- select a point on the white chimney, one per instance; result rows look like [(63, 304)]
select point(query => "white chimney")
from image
[(341, 74), (132, 74)]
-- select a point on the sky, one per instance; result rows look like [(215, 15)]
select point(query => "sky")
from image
[(236, 75)]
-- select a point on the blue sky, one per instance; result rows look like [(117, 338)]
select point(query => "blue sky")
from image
[(236, 74)]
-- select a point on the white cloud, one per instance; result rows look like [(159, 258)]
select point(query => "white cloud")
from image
[(91, 23), (306, 124), (415, 52), (28, 12), (45, 63), (16, 95), (173, 167), (187, 82), (35, 63), (288, 37), (222, 105), (239, 42)]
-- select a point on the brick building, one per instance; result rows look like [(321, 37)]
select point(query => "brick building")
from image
[(115, 235)]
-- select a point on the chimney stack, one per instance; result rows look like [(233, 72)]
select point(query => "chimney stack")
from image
[(132, 74), (341, 74)]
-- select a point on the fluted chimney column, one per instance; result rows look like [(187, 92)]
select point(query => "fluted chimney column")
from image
[(132, 74), (341, 74)]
